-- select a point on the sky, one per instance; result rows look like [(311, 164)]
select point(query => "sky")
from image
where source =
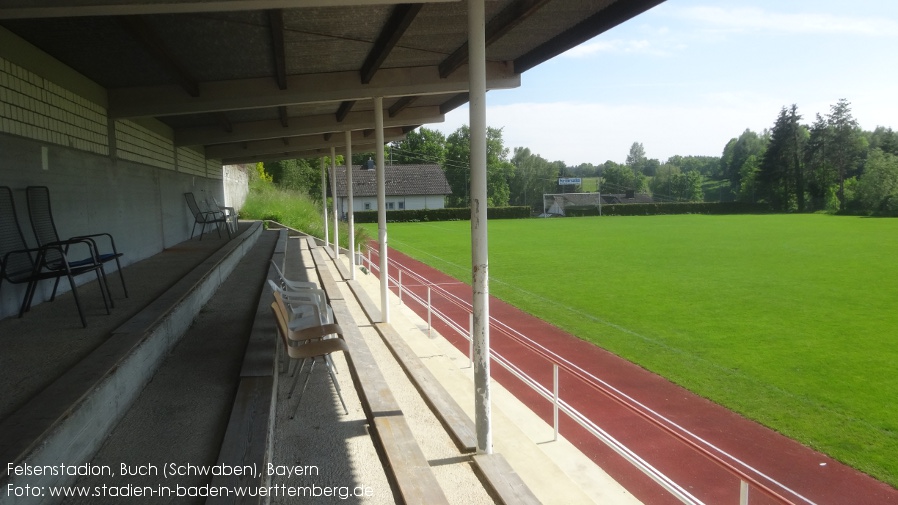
[(687, 76)]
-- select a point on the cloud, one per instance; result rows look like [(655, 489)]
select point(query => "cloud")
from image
[(752, 19), (611, 46)]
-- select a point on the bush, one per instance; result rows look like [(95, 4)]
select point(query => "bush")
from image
[(455, 214), (654, 209)]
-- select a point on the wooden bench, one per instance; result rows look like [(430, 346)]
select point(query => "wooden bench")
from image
[(409, 471), (502, 482)]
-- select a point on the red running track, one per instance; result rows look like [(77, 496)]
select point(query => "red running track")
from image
[(789, 469)]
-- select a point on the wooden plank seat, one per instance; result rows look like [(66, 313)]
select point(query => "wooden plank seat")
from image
[(502, 482), (408, 470)]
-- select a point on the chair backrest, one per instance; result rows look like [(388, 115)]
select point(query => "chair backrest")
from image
[(41, 216), (12, 239), (194, 207)]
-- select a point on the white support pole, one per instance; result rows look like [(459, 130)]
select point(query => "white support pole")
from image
[(382, 209), (400, 287), (324, 201), (480, 249), (334, 203), (350, 218)]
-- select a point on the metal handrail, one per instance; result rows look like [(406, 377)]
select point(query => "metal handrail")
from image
[(644, 412)]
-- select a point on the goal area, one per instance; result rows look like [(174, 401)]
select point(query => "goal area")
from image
[(559, 204)]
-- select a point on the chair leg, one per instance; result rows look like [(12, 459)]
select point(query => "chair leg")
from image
[(78, 300), (104, 290), (304, 385), (121, 276), (296, 374), (336, 384)]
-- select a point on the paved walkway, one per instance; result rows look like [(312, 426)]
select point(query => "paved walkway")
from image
[(786, 467)]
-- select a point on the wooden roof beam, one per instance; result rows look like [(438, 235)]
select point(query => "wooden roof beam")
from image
[(154, 45), (156, 101), (274, 146), (276, 24), (511, 16), (20, 9), (400, 20), (306, 125)]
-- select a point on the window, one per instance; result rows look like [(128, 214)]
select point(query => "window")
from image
[(390, 205), (367, 206), (401, 205)]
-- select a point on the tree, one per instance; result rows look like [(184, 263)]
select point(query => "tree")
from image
[(297, 175), (636, 158), (737, 152), (877, 188), (780, 177), (458, 169), (617, 178), (534, 176), (846, 145), (421, 146), (883, 138), (821, 175)]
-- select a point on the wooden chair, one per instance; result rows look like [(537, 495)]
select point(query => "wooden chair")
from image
[(309, 343), (20, 264)]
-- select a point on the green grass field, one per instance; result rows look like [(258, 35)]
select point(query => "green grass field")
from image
[(788, 319)]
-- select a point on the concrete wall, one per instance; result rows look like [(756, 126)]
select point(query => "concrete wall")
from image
[(236, 185), (124, 177)]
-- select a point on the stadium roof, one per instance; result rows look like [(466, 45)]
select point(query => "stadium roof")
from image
[(255, 80)]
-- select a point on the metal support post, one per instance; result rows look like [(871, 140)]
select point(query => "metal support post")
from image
[(324, 200), (429, 333), (480, 250), (400, 287), (334, 203), (382, 208), (350, 211)]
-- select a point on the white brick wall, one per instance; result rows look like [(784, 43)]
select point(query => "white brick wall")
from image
[(191, 162), (35, 108), (32, 107), (135, 143)]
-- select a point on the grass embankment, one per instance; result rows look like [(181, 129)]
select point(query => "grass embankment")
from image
[(294, 209), (786, 319)]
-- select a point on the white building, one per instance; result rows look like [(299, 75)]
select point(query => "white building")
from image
[(408, 187)]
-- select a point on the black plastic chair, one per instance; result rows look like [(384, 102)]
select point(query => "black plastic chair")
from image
[(20, 264), (44, 228), (205, 217)]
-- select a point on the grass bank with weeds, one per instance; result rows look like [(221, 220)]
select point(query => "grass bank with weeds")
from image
[(292, 208)]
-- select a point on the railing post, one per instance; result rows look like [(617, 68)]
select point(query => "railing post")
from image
[(743, 492), (369, 259), (555, 398), (400, 287), (429, 334)]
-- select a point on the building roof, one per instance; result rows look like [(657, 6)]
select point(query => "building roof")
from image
[(401, 180)]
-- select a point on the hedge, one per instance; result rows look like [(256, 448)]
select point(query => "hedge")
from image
[(457, 214), (654, 209)]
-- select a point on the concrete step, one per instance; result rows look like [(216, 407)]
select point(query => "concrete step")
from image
[(179, 420)]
